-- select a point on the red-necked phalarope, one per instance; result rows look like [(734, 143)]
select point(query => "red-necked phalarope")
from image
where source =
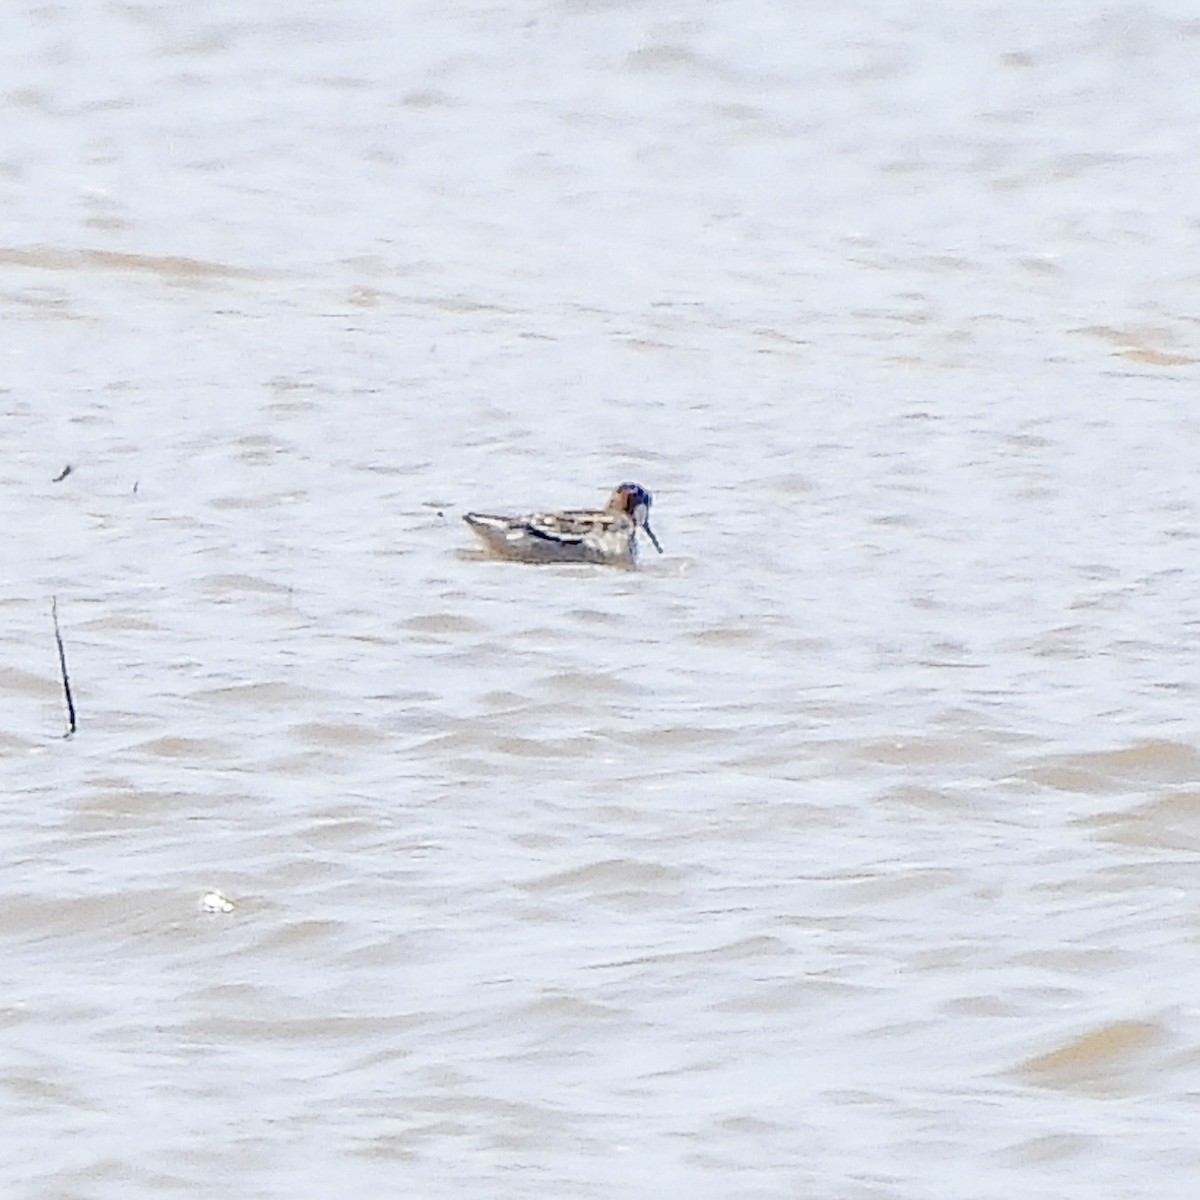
[(607, 535)]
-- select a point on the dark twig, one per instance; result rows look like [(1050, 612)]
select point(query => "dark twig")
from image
[(62, 662), (62, 474)]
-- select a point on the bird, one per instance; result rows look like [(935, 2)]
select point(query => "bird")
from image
[(607, 536)]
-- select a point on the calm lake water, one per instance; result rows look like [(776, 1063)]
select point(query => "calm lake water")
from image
[(849, 850)]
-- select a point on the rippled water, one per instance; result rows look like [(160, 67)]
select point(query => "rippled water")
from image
[(849, 849)]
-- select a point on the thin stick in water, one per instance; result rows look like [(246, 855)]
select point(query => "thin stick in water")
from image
[(62, 662)]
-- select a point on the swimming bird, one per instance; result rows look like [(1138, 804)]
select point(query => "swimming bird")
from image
[(607, 535)]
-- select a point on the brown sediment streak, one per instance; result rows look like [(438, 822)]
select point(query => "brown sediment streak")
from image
[(47, 258)]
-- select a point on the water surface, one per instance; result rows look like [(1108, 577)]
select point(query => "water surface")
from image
[(849, 849)]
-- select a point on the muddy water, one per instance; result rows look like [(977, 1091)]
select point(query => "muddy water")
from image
[(847, 850)]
